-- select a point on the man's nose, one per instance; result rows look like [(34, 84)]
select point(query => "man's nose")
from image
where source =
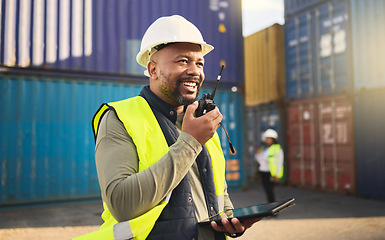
[(194, 70)]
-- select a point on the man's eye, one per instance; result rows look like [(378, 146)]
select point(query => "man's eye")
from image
[(183, 61)]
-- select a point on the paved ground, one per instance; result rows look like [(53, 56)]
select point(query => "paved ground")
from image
[(316, 215)]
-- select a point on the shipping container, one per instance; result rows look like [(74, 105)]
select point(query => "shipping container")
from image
[(368, 34), (295, 6), (264, 66), (370, 138), (320, 144), (317, 51), (257, 120), (47, 145), (231, 106), (104, 36)]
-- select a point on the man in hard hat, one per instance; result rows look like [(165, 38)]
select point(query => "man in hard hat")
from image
[(161, 171), (270, 159)]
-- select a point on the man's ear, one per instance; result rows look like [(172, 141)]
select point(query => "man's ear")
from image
[(151, 68)]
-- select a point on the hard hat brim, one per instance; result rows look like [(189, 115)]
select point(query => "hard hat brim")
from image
[(144, 56)]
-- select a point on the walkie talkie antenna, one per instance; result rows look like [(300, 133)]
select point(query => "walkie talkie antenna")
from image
[(216, 85)]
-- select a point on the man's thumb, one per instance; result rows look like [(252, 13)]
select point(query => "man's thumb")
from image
[(191, 109)]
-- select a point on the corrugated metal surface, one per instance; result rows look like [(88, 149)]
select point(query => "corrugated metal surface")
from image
[(295, 6), (104, 36), (370, 138), (320, 144), (318, 51), (47, 146), (46, 142), (302, 144), (231, 106), (264, 66), (368, 34), (258, 119)]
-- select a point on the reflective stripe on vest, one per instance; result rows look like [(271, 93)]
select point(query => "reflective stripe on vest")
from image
[(274, 161), (140, 122)]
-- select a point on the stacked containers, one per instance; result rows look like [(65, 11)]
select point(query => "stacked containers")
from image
[(104, 36), (264, 88), (368, 35), (74, 55), (335, 81), (320, 139)]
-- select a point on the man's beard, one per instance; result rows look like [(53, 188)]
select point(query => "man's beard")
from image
[(176, 96)]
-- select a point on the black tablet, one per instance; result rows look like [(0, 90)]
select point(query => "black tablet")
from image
[(256, 211)]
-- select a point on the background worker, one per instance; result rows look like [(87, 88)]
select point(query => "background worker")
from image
[(161, 170), (270, 159)]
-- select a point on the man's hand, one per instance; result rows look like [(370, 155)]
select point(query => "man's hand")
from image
[(235, 226), (203, 127), (276, 180)]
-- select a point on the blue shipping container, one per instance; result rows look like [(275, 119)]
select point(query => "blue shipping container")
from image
[(292, 7), (370, 138), (47, 146), (259, 119), (104, 36), (318, 51)]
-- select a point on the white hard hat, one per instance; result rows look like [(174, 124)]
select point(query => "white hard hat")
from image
[(169, 29), (269, 133)]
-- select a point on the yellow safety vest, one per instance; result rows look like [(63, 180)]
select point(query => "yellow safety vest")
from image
[(273, 161), (143, 127)]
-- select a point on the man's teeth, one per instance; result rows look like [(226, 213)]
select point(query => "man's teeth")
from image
[(190, 84)]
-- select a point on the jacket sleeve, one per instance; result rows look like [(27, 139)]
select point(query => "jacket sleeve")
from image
[(127, 192), (228, 205)]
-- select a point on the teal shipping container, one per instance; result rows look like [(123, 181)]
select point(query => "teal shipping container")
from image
[(231, 106), (47, 145)]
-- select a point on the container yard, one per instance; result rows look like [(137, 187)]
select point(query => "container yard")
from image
[(314, 80), (318, 80), (333, 83), (60, 60)]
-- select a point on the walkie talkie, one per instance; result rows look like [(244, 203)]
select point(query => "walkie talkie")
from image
[(206, 104)]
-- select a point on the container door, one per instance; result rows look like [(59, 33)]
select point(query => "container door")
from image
[(337, 160), (302, 143)]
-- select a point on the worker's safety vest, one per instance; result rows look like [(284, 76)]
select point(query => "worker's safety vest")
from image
[(273, 161), (151, 145)]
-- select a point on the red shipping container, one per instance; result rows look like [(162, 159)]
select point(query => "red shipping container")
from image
[(320, 144)]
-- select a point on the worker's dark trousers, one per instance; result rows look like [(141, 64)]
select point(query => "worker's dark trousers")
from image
[(268, 185)]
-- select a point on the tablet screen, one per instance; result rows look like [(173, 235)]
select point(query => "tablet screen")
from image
[(256, 211), (266, 209)]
